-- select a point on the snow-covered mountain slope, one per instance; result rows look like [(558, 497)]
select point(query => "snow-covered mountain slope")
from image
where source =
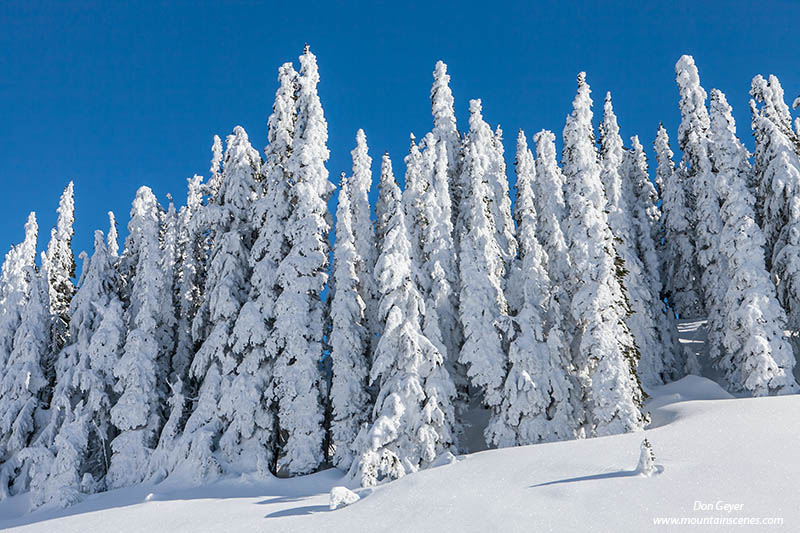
[(713, 449)]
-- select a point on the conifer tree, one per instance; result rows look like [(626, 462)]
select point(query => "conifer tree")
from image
[(413, 415), (758, 357), (777, 171), (537, 393), (272, 210), (445, 177), (191, 251), (483, 308), (693, 141), (548, 189), (79, 432), (171, 269), (253, 329), (434, 263), (445, 131), (15, 286), (770, 94), (363, 228), (439, 265), (622, 209), (112, 243), (645, 214), (349, 338), (215, 432), (424, 216), (415, 185), (500, 204), (605, 355), (61, 269), (551, 210), (647, 460), (215, 181), (141, 371), (617, 190), (301, 278), (388, 195), (61, 266), (23, 384), (385, 199), (795, 105), (180, 259), (680, 270), (666, 359)]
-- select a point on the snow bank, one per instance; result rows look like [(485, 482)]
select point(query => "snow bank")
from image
[(708, 449)]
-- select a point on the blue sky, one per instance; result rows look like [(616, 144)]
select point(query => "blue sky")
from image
[(117, 96)]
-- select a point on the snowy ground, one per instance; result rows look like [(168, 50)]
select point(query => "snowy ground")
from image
[(714, 450)]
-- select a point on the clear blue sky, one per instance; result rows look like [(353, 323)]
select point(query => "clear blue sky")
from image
[(115, 95)]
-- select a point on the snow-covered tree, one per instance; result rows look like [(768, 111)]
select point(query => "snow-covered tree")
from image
[(551, 210), (693, 141), (647, 460), (604, 350), (681, 272), (777, 171), (270, 213), (363, 228), (171, 269), (215, 181), (439, 265), (548, 189), (664, 361), (112, 240), (301, 278), (617, 191), (795, 105), (142, 369), (483, 309), (23, 385), (445, 131), (183, 249), (421, 210), (61, 267), (78, 434), (770, 94), (758, 357), (349, 338), (645, 214), (415, 185), (413, 415), (191, 251), (254, 326), (433, 256), (500, 204), (386, 200), (214, 434), (15, 286), (622, 211), (537, 403)]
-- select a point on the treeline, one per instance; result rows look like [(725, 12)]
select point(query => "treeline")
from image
[(220, 340)]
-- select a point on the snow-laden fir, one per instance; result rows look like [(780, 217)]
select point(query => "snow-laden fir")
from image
[(229, 339)]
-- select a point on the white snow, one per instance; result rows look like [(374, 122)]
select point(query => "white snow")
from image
[(703, 440), (341, 497)]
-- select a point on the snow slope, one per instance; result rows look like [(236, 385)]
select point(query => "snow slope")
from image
[(712, 448)]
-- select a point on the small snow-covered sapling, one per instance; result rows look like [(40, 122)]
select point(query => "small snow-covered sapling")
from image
[(647, 460)]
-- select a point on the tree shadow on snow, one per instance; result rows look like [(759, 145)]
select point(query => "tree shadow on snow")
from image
[(593, 477), (273, 490), (299, 511)]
